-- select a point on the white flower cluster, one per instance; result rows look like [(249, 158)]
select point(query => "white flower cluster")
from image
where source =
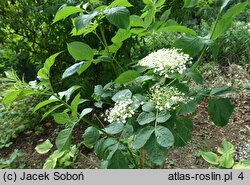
[(120, 112), (166, 61), (166, 97)]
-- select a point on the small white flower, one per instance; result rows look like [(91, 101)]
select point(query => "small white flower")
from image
[(166, 61)]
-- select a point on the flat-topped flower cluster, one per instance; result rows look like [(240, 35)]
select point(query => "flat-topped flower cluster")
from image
[(166, 61), (166, 98), (120, 112)]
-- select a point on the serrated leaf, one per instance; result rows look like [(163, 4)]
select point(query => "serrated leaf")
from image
[(65, 12), (114, 128), (71, 70), (118, 16), (164, 136), (220, 110), (210, 157), (142, 137), (226, 160), (127, 76), (163, 116), (80, 51), (44, 147), (63, 140), (145, 118), (188, 108), (90, 136), (121, 95)]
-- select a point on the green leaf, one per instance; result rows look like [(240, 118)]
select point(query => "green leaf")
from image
[(148, 107), (44, 73), (177, 28), (142, 137), (156, 153), (84, 67), (120, 3), (65, 12), (182, 131), (163, 116), (226, 160), (190, 45), (127, 131), (221, 90), (63, 139), (145, 118), (127, 76), (44, 103), (50, 164), (196, 76), (80, 51), (188, 108), (71, 70), (226, 20), (62, 118), (122, 95), (220, 110), (164, 136), (52, 109), (118, 161), (74, 105), (224, 4), (210, 157), (44, 147), (190, 3), (227, 148), (69, 92), (90, 136), (136, 21), (121, 35), (118, 16), (85, 112), (83, 21), (165, 15), (114, 128), (150, 15), (105, 148), (11, 96)]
